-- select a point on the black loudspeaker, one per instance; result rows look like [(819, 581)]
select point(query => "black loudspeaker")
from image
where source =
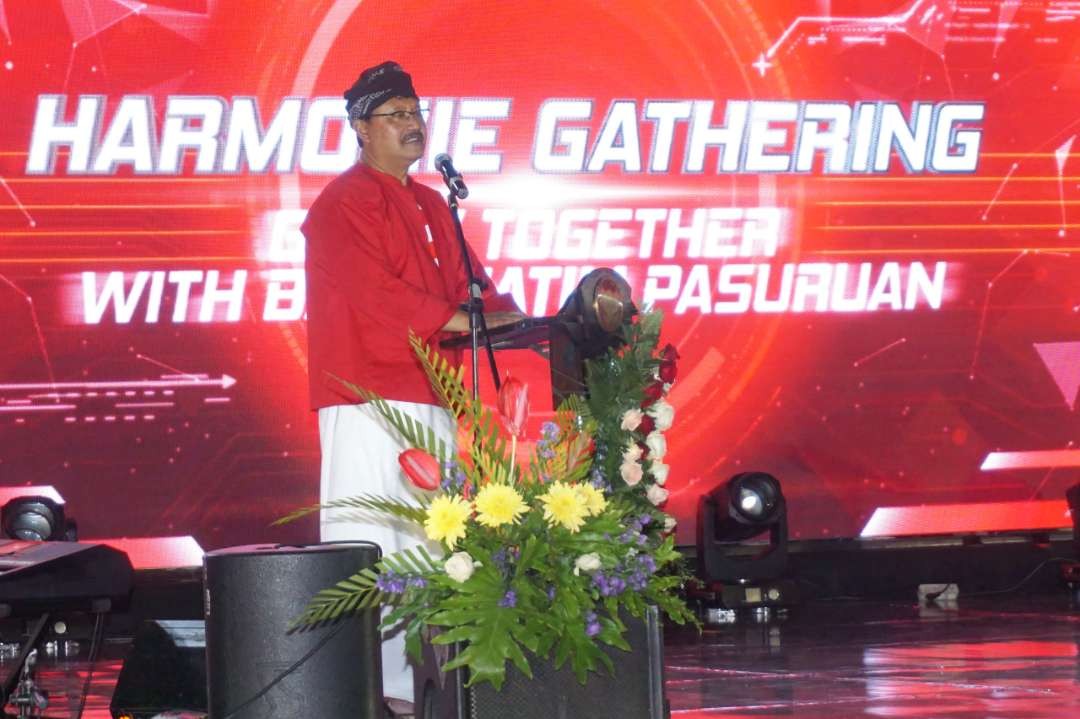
[(165, 671), (636, 691), (257, 667)]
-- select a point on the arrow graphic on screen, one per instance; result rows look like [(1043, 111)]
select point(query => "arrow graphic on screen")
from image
[(224, 382)]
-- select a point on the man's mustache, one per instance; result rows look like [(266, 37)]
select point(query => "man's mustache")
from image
[(414, 135)]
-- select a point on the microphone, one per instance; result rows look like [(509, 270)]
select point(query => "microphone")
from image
[(450, 176)]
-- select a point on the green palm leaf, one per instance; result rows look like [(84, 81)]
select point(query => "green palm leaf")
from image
[(389, 506)]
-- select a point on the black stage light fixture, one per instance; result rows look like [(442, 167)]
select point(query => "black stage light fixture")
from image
[(37, 519), (746, 506), (597, 307)]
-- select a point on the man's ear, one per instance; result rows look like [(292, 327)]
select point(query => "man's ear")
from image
[(361, 128)]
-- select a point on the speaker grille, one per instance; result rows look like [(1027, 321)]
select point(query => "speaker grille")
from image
[(252, 594)]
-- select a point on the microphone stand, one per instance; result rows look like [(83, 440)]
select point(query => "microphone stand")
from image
[(477, 324)]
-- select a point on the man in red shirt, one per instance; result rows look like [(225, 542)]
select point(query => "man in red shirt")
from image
[(382, 259)]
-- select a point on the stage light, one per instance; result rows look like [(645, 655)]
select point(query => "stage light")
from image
[(36, 518), (746, 506), (598, 306)]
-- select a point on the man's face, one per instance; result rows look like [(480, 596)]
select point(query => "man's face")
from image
[(392, 139)]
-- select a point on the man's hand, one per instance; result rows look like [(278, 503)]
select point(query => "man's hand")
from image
[(459, 322), (498, 319)]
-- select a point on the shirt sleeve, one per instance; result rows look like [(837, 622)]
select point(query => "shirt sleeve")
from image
[(493, 301), (346, 244)]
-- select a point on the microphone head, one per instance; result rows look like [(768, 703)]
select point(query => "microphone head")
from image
[(442, 159)]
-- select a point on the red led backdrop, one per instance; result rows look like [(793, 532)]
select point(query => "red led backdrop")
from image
[(861, 223)]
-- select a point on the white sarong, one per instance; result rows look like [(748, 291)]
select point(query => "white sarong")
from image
[(360, 456)]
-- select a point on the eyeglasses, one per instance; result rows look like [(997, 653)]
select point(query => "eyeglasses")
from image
[(399, 116)]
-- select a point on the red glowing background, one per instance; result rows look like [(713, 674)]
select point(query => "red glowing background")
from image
[(176, 420)]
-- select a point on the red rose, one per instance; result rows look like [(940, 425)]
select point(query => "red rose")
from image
[(668, 368), (648, 424), (653, 392)]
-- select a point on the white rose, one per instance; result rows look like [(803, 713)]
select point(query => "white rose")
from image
[(656, 494), (631, 472), (663, 413), (659, 472), (669, 523), (632, 453), (459, 566), (657, 445), (631, 419), (587, 563)]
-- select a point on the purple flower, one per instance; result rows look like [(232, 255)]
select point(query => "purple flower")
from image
[(549, 431), (549, 436), (509, 599), (453, 476), (609, 585), (390, 582), (647, 563), (592, 624)]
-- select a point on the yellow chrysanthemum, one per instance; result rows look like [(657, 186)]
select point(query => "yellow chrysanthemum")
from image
[(498, 504), (446, 519), (563, 505), (592, 498)]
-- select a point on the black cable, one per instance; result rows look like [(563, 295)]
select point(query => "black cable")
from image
[(933, 596), (1022, 582), (95, 647), (262, 692)]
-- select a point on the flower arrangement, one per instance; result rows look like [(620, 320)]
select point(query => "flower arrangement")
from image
[(630, 413), (541, 557)]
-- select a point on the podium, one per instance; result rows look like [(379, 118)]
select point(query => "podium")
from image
[(586, 327)]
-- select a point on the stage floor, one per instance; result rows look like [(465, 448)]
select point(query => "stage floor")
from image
[(1005, 657)]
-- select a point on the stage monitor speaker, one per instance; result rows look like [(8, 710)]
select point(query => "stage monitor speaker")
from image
[(257, 668), (165, 671), (636, 691), (38, 577)]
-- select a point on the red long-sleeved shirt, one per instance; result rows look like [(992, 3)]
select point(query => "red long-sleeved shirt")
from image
[(371, 277)]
